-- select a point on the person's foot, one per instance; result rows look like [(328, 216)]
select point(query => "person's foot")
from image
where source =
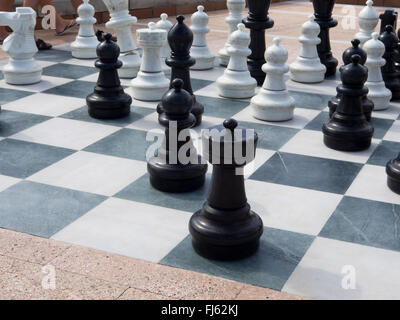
[(67, 25), (41, 45)]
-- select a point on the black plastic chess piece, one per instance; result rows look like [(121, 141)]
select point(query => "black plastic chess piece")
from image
[(258, 21), (226, 228), (389, 17), (180, 39), (173, 170), (108, 101), (368, 105), (323, 16), (393, 174), (390, 74), (348, 129)]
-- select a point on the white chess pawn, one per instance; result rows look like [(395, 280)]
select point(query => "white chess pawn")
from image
[(308, 67), (378, 93), (235, 17), (236, 82), (150, 83), (21, 47), (273, 102), (368, 19), (165, 50), (84, 47), (121, 21), (199, 50)]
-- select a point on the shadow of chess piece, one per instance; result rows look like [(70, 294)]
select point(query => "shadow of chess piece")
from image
[(348, 129), (368, 105), (108, 101), (226, 228), (390, 74), (180, 39), (258, 21), (177, 167)]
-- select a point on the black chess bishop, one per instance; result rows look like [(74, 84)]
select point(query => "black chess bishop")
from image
[(108, 101)]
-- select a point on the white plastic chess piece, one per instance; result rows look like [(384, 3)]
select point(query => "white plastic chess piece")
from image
[(368, 19), (235, 17), (273, 102), (236, 82), (378, 93), (84, 47), (308, 67), (121, 21), (166, 25), (199, 50), (150, 83), (21, 47)]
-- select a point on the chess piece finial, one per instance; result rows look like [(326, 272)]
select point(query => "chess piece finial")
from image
[(273, 102), (165, 50), (236, 82), (308, 67), (348, 129), (108, 101), (199, 50), (368, 19)]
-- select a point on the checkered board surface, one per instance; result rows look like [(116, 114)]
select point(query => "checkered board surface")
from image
[(66, 176)]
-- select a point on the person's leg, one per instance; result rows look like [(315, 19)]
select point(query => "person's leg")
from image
[(5, 5)]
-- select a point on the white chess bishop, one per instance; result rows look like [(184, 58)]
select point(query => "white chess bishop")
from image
[(235, 17), (273, 102), (199, 50), (21, 47), (368, 19), (165, 50), (150, 83), (85, 44), (236, 82), (378, 93), (121, 21), (308, 67)]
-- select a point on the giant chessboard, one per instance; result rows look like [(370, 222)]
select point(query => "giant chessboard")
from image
[(328, 215)]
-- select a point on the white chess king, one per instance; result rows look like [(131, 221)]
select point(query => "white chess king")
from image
[(368, 19), (84, 47), (273, 102), (308, 67), (21, 47)]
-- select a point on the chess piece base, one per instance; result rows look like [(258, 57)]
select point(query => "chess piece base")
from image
[(176, 178), (149, 86), (22, 71), (84, 47), (392, 82), (393, 175), (111, 107), (204, 58), (130, 65), (272, 105), (345, 139), (305, 70), (379, 95), (213, 237), (236, 85)]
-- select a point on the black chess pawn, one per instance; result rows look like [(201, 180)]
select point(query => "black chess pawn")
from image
[(323, 16), (177, 167), (390, 74), (108, 101), (226, 228), (258, 21), (393, 174), (180, 39), (389, 17), (368, 105), (348, 129)]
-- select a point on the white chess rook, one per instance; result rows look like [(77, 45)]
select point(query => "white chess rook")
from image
[(84, 47), (273, 102), (166, 25), (308, 67), (235, 17), (368, 19), (236, 82), (150, 83), (121, 21), (199, 51), (378, 93), (21, 47)]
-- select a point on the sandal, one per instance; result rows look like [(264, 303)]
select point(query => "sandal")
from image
[(41, 45), (100, 36), (71, 24)]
